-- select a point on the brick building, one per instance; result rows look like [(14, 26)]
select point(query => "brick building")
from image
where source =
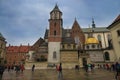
[(16, 54)]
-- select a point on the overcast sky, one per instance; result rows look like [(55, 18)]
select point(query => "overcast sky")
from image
[(25, 21)]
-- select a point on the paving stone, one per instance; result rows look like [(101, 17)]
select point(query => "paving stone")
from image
[(68, 74)]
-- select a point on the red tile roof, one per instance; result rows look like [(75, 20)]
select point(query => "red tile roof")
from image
[(18, 49)]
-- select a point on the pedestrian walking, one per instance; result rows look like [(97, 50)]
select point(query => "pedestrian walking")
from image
[(117, 76), (9, 67), (86, 67), (33, 67), (2, 68), (89, 67), (22, 68), (17, 69), (60, 75)]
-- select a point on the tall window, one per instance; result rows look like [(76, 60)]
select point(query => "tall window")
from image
[(109, 37), (107, 57), (63, 46), (77, 41), (109, 41), (55, 33), (99, 39), (54, 55)]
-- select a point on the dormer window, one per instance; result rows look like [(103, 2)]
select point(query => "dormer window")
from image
[(93, 46), (87, 47)]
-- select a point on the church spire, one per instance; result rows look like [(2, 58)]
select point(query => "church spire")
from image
[(56, 8), (93, 23)]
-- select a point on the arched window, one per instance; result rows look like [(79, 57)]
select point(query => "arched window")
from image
[(109, 37), (87, 46), (77, 40), (93, 46), (109, 41), (54, 55), (99, 37), (107, 57)]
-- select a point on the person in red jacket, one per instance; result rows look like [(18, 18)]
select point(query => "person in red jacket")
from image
[(60, 75), (22, 68)]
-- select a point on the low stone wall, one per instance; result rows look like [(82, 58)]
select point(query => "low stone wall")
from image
[(38, 65), (43, 65)]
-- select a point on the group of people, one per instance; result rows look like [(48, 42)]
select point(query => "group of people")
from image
[(111, 67), (89, 67), (17, 68)]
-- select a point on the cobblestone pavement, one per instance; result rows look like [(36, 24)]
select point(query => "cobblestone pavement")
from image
[(51, 74)]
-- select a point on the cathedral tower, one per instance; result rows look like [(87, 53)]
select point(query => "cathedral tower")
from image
[(55, 35)]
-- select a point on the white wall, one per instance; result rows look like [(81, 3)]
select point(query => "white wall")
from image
[(53, 46)]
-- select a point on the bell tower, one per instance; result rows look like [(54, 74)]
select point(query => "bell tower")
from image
[(54, 35)]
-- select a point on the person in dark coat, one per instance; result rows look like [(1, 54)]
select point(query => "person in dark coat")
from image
[(60, 75), (2, 68), (117, 75), (33, 67)]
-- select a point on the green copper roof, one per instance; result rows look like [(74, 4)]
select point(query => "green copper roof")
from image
[(97, 29)]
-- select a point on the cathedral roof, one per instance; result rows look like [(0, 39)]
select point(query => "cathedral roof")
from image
[(18, 49), (97, 29), (85, 30), (92, 41), (44, 44), (76, 25), (68, 40)]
